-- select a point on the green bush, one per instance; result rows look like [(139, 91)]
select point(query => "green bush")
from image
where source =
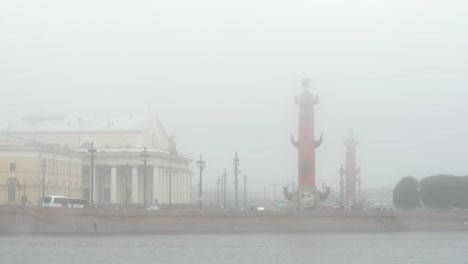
[(406, 194), (445, 191)]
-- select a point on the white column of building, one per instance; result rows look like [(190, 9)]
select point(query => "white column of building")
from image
[(173, 182), (175, 189), (113, 185), (160, 185), (182, 187), (184, 177), (179, 190), (163, 187), (171, 177), (135, 185), (187, 187), (156, 177)]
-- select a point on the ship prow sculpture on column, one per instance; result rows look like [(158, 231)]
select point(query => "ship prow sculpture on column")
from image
[(306, 195)]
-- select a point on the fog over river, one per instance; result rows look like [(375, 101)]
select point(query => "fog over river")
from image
[(242, 248)]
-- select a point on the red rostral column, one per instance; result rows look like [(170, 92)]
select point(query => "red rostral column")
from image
[(350, 170), (306, 144)]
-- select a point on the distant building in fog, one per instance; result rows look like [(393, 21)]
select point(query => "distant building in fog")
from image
[(63, 144)]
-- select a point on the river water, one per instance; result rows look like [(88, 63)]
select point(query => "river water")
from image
[(373, 248)]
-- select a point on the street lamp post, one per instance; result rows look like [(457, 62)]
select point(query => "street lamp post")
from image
[(274, 193), (201, 165), (236, 163), (359, 186), (24, 193), (43, 166), (91, 191), (99, 175), (264, 196), (245, 191), (225, 185), (217, 192)]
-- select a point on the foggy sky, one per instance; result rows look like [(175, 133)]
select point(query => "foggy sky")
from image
[(222, 76)]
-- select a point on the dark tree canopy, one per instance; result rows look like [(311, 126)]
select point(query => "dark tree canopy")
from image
[(406, 193), (444, 191)]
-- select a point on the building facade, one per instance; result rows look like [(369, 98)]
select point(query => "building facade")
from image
[(116, 149), (30, 170)]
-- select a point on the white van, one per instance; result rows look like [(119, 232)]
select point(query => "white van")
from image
[(62, 201)]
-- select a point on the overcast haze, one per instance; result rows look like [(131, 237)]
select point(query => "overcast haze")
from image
[(222, 76)]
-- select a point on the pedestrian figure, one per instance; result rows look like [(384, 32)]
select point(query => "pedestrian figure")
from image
[(94, 226)]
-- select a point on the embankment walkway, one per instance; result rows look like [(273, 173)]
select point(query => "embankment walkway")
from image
[(37, 220)]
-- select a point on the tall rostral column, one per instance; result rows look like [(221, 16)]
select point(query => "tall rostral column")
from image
[(307, 194), (350, 170)]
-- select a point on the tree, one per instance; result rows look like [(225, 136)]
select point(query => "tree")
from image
[(443, 191), (406, 193)]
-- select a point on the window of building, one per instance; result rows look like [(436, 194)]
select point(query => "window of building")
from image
[(11, 191), (12, 166)]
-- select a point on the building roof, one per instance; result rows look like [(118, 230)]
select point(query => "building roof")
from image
[(149, 130), (17, 143), (78, 124)]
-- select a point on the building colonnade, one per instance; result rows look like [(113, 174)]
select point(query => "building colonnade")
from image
[(124, 184)]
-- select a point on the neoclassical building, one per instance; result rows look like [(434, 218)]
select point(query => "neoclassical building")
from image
[(121, 146), (23, 167)]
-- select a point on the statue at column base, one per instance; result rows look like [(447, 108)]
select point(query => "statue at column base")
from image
[(306, 197)]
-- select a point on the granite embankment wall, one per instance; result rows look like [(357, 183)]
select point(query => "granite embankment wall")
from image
[(30, 220)]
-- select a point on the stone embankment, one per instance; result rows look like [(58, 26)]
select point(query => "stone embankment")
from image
[(36, 220)]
